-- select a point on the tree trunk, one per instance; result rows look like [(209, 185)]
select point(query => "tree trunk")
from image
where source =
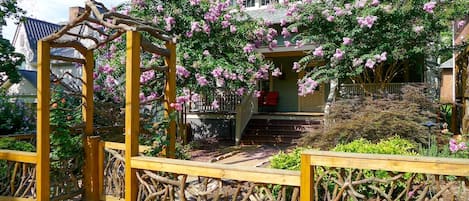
[(330, 99)]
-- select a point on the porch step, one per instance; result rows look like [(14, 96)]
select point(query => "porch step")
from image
[(278, 131)]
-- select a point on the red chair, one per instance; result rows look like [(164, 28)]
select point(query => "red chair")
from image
[(271, 99)]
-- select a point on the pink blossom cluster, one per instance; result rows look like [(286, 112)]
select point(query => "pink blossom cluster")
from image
[(147, 76), (339, 54), (106, 69), (262, 73), (428, 7), (187, 97), (370, 63), (306, 86), (454, 146), (170, 21), (367, 21), (296, 66), (201, 80), (182, 72), (151, 97), (276, 72)]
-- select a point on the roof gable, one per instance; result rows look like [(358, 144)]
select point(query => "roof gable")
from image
[(37, 29)]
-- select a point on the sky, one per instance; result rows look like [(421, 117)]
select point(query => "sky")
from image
[(54, 11)]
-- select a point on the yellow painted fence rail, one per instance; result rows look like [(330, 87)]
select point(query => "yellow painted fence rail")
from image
[(349, 169), (22, 161)]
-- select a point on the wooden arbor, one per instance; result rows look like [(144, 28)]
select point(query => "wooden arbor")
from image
[(97, 18)]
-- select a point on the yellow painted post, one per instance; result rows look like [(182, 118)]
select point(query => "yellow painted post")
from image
[(91, 183), (170, 97), (91, 169), (43, 130), (132, 104), (101, 169), (307, 179)]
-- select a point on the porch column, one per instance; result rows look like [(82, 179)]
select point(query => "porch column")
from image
[(170, 97)]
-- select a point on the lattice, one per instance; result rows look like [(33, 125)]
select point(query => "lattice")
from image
[(169, 186), (17, 179), (358, 184)]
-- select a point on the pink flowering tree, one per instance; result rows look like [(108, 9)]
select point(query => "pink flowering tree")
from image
[(367, 40)]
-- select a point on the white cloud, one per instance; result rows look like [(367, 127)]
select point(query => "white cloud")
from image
[(54, 11)]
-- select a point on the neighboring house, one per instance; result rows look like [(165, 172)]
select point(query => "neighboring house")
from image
[(447, 82), (25, 40)]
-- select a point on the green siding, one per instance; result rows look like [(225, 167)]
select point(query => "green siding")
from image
[(286, 86)]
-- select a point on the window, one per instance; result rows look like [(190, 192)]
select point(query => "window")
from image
[(249, 3), (267, 2)]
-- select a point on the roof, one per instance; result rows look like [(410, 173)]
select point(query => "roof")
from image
[(29, 75), (447, 64), (37, 29)]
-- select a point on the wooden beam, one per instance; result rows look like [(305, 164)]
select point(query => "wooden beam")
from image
[(43, 128), (285, 54), (67, 59), (101, 159), (415, 164), (70, 44), (132, 108), (147, 46), (18, 156), (240, 173), (121, 146), (170, 97)]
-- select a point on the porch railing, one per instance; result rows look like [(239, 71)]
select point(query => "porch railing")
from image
[(244, 112), (226, 102), (372, 89)]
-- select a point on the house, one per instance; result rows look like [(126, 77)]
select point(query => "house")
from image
[(25, 40), (238, 123)]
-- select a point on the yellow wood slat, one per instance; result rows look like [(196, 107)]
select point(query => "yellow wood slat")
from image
[(307, 179), (5, 198), (132, 116), (18, 156), (43, 128), (121, 146), (101, 168), (109, 198), (416, 164), (241, 173)]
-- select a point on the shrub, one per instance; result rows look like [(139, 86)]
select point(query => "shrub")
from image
[(394, 145), (375, 119), (287, 161), (15, 116), (13, 144)]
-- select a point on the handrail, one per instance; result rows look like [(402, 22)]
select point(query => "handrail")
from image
[(244, 112), (121, 146), (18, 156), (415, 164), (347, 90), (213, 170)]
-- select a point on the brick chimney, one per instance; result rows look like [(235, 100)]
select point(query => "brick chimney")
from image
[(74, 12)]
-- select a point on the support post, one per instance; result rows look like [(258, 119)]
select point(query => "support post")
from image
[(101, 169), (132, 116), (43, 128), (307, 179), (91, 173), (170, 97), (91, 183)]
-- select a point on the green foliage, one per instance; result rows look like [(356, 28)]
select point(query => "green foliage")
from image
[(66, 147), (13, 144), (394, 145), (287, 161), (403, 30), (9, 8), (15, 117)]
